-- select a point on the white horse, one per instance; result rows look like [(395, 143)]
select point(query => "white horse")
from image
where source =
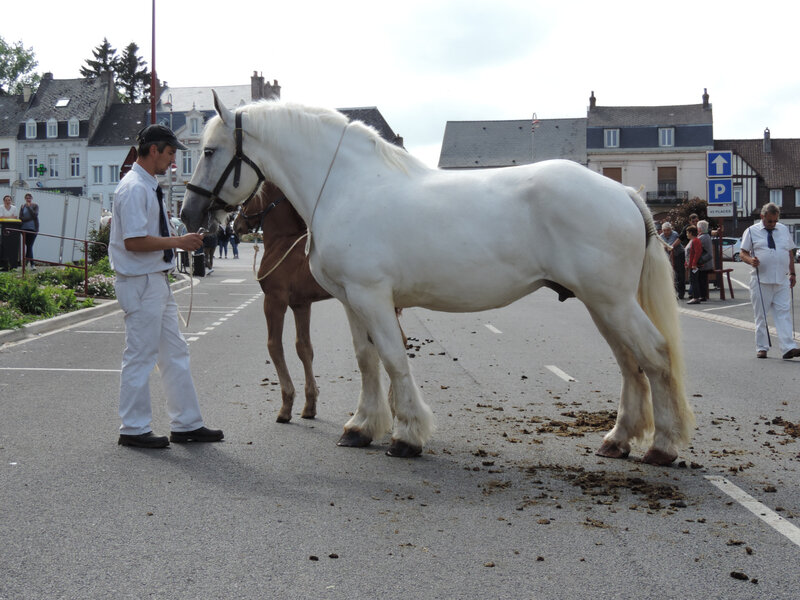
[(387, 231)]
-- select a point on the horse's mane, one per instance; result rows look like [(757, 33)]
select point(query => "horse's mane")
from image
[(286, 118)]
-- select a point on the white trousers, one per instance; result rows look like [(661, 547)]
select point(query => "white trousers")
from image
[(777, 300), (152, 337)]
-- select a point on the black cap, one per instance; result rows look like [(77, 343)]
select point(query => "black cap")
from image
[(158, 133)]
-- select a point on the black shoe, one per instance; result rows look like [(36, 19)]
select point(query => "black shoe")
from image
[(145, 440), (793, 353), (203, 434)]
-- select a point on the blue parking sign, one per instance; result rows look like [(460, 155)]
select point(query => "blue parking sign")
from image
[(719, 163), (720, 191)]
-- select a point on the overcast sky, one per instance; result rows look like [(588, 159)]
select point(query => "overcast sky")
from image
[(424, 62)]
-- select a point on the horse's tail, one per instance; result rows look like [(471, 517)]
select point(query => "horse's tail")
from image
[(657, 298)]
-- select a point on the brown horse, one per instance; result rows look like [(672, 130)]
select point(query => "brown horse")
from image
[(286, 280)]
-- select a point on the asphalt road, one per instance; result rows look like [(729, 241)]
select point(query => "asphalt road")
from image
[(507, 501)]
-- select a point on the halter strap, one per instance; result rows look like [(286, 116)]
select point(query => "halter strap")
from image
[(234, 165)]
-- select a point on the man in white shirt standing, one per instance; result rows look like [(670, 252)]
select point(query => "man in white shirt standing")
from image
[(8, 210), (142, 254), (768, 248)]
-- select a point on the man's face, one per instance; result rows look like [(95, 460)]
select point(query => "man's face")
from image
[(164, 159), (7, 201), (769, 220)]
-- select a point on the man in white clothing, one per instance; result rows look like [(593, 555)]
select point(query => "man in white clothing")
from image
[(142, 254), (768, 248)]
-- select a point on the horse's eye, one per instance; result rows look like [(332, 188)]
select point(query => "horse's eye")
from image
[(208, 152)]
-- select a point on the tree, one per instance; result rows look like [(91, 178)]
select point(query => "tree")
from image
[(132, 75), (105, 60), (16, 66), (679, 216)]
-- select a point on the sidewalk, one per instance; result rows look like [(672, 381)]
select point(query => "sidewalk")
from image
[(105, 306)]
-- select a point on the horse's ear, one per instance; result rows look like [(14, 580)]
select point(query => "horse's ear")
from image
[(225, 114)]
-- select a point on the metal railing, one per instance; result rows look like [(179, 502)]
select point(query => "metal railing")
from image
[(664, 197), (84, 267)]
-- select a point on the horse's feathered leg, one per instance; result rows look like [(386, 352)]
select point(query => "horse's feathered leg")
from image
[(275, 311), (305, 351), (414, 423), (372, 418), (635, 413)]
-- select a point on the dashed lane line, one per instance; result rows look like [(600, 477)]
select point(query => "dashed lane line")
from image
[(559, 373), (492, 328)]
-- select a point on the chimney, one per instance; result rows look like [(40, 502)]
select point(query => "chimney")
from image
[(767, 142), (592, 102), (256, 86), (705, 98), (47, 77), (26, 92)]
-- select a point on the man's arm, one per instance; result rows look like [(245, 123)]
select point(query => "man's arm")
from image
[(151, 243)]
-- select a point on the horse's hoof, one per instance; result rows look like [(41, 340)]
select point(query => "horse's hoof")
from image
[(283, 419), (308, 416), (353, 438), (657, 457), (401, 449), (613, 450)]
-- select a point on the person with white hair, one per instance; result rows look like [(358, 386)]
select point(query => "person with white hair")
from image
[(768, 247), (673, 240)]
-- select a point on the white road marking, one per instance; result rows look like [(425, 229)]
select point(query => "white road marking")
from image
[(726, 307), (192, 339), (558, 372), (232, 281), (53, 369), (492, 328), (773, 519)]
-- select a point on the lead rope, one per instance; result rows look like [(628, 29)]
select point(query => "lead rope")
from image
[(330, 168), (278, 264)]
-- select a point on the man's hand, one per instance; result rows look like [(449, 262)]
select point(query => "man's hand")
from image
[(189, 241)]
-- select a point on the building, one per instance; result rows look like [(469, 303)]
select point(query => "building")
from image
[(764, 170), (11, 110), (661, 149), (55, 129), (493, 144)]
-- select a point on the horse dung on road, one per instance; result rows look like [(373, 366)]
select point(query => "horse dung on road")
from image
[(386, 231)]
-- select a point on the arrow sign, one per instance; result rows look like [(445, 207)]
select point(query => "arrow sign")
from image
[(718, 164)]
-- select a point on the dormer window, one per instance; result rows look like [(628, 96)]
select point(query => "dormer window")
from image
[(62, 102), (611, 138), (666, 137), (52, 128), (30, 129), (194, 125), (74, 129)]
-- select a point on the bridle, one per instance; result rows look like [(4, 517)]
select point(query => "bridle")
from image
[(234, 165), (259, 215)]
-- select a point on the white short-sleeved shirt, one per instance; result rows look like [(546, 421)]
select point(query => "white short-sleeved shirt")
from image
[(773, 263), (11, 213), (136, 214)]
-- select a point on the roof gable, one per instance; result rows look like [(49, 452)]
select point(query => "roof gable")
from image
[(779, 168), (84, 96)]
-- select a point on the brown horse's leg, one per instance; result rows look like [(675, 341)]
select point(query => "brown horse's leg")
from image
[(302, 320), (275, 311)]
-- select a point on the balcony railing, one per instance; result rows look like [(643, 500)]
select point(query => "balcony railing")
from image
[(667, 197)]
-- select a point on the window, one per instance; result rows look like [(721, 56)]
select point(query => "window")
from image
[(111, 202), (62, 102), (53, 164), (5, 159), (52, 128), (74, 127), (776, 196), (97, 174), (194, 126), (796, 197), (74, 165), (738, 196), (666, 137), (113, 173), (614, 173), (667, 182), (32, 164), (611, 138), (187, 162), (30, 129)]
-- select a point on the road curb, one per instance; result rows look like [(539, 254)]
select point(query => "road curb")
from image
[(37, 328)]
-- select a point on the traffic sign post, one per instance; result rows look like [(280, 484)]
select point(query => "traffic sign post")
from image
[(719, 163), (720, 191)]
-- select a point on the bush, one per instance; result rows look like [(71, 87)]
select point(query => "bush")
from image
[(100, 250), (10, 318), (29, 298), (101, 285)]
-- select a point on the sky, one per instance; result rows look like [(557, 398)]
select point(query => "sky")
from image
[(425, 62)]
